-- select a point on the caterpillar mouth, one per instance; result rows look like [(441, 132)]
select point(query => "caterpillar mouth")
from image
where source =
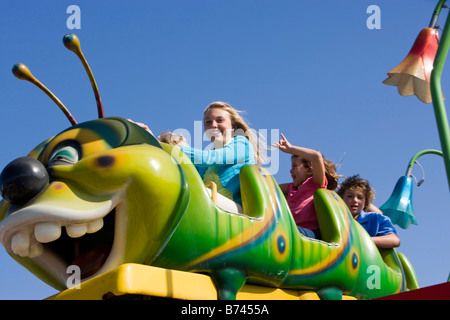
[(52, 242), (90, 251)]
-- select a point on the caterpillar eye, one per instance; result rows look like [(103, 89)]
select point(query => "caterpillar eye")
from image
[(67, 155)]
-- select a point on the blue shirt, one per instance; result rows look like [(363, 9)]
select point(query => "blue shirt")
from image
[(376, 224), (229, 160)]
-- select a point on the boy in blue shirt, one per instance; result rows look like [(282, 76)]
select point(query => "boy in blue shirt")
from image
[(358, 195)]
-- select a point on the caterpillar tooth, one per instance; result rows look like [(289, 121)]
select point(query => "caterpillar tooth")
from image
[(23, 244), (36, 250), (47, 232), (20, 243), (94, 226), (76, 230)]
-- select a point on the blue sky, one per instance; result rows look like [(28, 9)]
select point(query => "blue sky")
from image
[(311, 70)]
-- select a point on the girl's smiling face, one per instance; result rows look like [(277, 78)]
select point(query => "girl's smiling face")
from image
[(355, 200), (299, 171), (218, 126)]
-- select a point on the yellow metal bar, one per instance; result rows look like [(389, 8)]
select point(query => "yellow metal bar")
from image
[(213, 186)]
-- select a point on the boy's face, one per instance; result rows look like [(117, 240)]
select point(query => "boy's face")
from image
[(355, 201)]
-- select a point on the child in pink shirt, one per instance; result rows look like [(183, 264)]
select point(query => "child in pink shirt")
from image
[(310, 171)]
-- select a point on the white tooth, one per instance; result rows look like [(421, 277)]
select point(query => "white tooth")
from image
[(47, 231), (20, 243), (76, 230), (36, 250), (94, 226)]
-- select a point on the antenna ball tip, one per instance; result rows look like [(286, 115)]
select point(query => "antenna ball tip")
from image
[(21, 71), (71, 42)]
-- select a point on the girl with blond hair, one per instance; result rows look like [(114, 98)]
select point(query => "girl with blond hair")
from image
[(234, 145)]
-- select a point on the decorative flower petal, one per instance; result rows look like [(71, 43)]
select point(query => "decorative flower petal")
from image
[(399, 206), (412, 75)]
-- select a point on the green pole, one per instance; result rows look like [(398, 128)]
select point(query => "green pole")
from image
[(436, 13), (436, 93), (418, 155)]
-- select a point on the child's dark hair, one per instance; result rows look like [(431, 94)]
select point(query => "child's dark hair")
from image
[(355, 182), (330, 171)]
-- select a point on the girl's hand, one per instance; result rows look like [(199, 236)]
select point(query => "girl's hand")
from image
[(313, 156), (283, 144), (142, 125)]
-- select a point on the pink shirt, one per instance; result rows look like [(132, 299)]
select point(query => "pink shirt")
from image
[(302, 205)]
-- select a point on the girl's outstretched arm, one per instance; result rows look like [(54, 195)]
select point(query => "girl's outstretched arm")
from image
[(313, 156)]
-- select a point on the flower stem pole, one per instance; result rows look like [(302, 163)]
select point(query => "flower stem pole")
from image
[(418, 155), (436, 13), (436, 92)]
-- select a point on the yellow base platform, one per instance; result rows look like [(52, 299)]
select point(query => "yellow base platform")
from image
[(135, 280)]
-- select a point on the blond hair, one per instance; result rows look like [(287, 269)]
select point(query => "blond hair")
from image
[(241, 128), (172, 138)]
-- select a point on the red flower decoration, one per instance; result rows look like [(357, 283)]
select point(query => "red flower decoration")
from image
[(412, 75)]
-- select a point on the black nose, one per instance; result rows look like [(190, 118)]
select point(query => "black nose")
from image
[(23, 179)]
